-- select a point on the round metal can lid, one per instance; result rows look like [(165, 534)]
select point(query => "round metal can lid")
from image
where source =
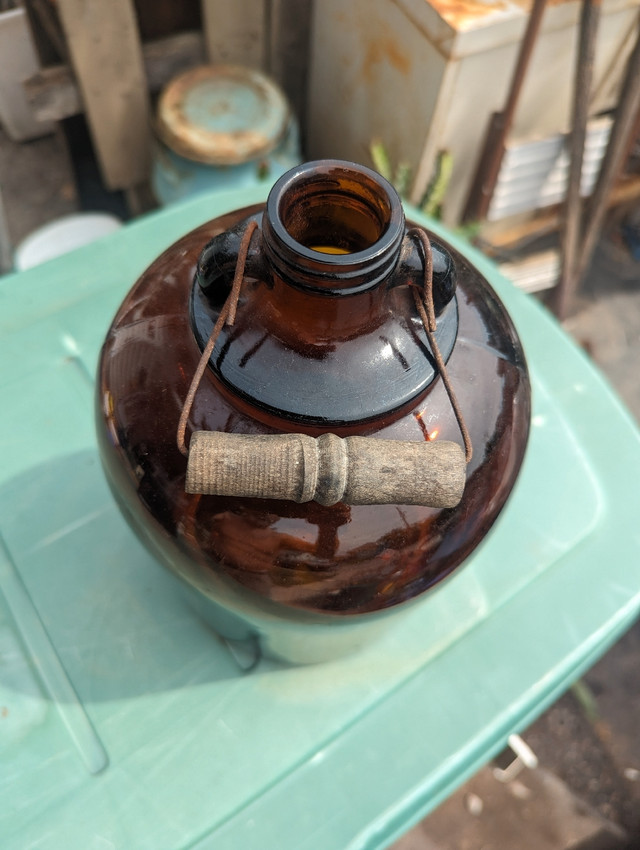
[(222, 114)]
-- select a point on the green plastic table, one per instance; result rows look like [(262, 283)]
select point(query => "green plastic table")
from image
[(126, 723)]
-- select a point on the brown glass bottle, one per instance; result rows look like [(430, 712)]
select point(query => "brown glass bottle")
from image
[(326, 338)]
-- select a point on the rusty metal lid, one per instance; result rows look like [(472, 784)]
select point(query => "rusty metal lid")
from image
[(222, 114)]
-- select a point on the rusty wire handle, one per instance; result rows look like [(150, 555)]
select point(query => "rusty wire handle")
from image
[(227, 317), (424, 305), (326, 469), (354, 470)]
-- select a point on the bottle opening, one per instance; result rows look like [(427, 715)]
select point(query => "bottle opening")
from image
[(335, 214), (334, 226)]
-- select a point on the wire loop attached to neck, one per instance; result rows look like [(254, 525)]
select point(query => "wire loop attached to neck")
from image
[(227, 317), (424, 304)]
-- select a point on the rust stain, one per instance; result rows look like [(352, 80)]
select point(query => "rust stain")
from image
[(462, 13), (384, 50), (527, 4)]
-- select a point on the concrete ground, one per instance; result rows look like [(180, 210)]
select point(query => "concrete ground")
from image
[(585, 792), (36, 183)]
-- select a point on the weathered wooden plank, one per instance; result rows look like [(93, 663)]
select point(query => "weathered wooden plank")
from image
[(17, 60), (44, 22), (106, 55), (236, 31), (289, 48), (53, 92), (166, 57)]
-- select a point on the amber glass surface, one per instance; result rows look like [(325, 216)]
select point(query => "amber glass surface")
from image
[(342, 322), (341, 560)]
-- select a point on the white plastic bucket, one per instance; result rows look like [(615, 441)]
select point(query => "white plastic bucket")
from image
[(61, 236)]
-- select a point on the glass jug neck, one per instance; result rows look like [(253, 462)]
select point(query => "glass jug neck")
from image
[(328, 295), (333, 227)]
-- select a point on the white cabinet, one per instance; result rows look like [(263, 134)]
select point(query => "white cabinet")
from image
[(424, 77)]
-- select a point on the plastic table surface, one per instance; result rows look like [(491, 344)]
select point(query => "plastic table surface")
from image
[(125, 722)]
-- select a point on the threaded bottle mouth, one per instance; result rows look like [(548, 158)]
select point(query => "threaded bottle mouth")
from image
[(333, 226)]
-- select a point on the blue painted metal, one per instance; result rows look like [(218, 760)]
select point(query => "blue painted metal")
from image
[(221, 128)]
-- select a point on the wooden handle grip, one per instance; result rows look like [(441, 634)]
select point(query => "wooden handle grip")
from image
[(329, 469)]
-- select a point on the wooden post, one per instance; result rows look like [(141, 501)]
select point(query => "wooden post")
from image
[(18, 60), (269, 35), (106, 55), (572, 225), (53, 92), (236, 32), (625, 128), (289, 50), (493, 150)]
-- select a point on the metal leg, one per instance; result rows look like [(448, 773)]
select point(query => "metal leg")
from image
[(570, 246)]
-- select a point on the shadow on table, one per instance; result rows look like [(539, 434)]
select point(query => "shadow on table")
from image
[(88, 602)]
